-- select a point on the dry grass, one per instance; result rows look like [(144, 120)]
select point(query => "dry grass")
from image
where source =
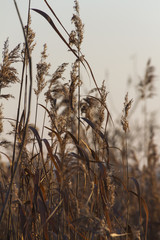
[(83, 179)]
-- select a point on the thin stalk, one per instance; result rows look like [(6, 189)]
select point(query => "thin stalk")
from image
[(26, 79), (18, 113), (79, 97), (125, 124), (16, 128), (145, 125), (44, 119), (79, 101), (27, 117), (25, 93), (20, 95), (127, 182), (79, 126), (56, 17), (35, 123)]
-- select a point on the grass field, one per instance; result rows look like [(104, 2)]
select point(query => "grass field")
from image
[(79, 175)]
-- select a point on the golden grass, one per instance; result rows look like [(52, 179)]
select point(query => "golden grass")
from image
[(79, 181)]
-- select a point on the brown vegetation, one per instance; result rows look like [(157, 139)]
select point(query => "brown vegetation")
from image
[(82, 180)]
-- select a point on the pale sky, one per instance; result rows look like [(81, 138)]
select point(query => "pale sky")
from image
[(119, 37)]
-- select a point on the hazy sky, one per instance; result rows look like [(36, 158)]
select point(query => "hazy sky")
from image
[(119, 37)]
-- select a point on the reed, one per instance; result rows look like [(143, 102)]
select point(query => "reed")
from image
[(78, 176)]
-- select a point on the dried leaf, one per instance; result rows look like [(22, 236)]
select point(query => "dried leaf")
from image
[(51, 154)]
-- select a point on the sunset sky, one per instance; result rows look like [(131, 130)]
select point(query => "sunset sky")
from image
[(119, 37)]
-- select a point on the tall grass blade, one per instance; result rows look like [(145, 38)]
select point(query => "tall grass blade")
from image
[(56, 30), (139, 196), (146, 212), (36, 134), (49, 149)]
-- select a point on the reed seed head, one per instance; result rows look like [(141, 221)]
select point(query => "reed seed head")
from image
[(124, 118)]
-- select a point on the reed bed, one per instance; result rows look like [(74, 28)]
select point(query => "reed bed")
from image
[(77, 176)]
